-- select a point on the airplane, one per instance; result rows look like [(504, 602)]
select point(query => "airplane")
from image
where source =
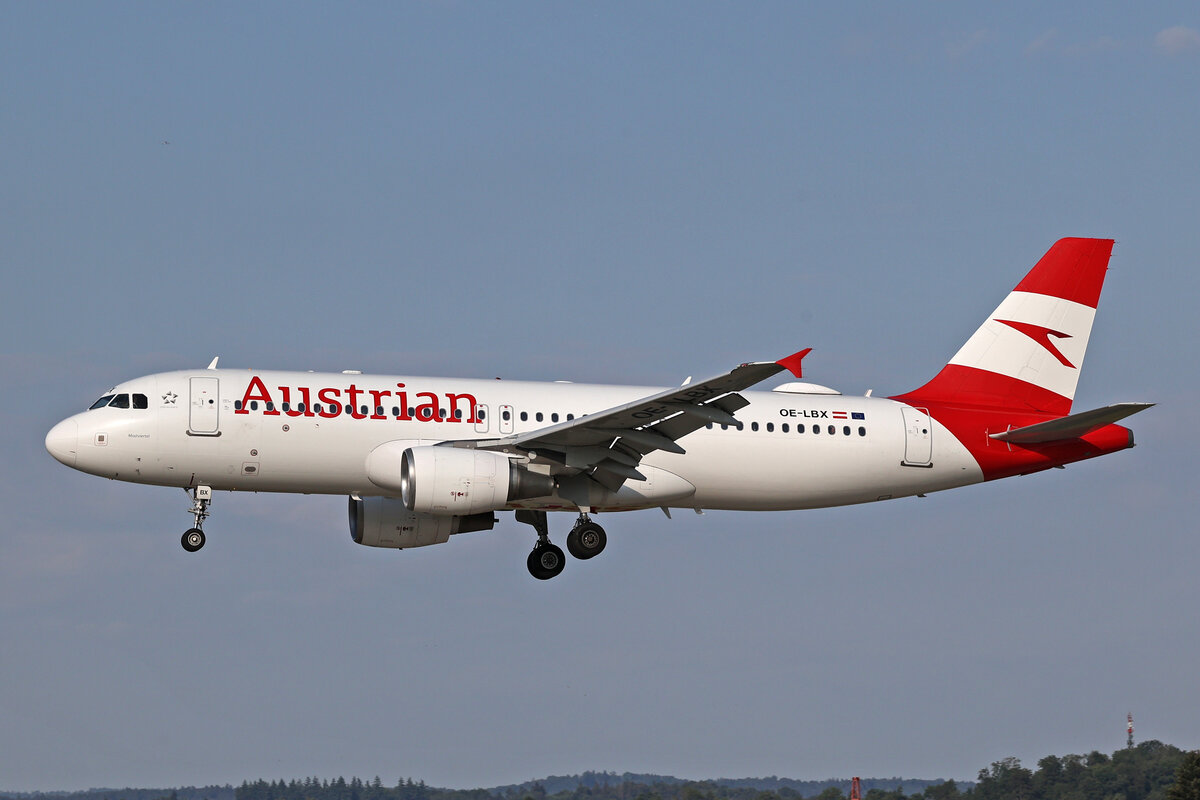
[(422, 459)]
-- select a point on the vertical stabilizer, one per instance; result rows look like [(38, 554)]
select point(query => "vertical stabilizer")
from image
[(1029, 351)]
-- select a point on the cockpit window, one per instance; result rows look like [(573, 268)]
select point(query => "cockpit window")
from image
[(102, 402), (140, 401), (120, 401)]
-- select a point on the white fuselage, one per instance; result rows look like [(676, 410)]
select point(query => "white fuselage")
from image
[(215, 428)]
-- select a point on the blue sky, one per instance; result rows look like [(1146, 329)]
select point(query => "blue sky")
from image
[(618, 193)]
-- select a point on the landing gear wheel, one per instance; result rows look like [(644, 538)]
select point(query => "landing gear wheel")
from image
[(586, 540), (545, 561), (193, 539)]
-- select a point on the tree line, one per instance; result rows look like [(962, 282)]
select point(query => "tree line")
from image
[(1150, 771)]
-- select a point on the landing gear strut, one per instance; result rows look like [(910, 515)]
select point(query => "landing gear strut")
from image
[(586, 540), (193, 538)]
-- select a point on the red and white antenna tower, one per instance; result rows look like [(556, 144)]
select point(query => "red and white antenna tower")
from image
[(855, 789), (1129, 741)]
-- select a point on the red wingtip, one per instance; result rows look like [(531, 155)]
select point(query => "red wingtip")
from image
[(792, 362)]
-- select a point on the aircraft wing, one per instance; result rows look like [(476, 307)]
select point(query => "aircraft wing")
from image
[(609, 445)]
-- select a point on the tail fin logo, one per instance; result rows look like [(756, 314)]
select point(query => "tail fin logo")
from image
[(1041, 335)]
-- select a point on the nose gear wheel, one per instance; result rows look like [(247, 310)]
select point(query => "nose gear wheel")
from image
[(193, 538)]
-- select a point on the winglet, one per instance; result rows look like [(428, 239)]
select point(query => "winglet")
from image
[(792, 362), (213, 363)]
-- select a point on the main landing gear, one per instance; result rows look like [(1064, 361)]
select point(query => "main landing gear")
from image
[(586, 540), (193, 538)]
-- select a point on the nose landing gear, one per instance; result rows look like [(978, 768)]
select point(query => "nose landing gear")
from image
[(193, 538)]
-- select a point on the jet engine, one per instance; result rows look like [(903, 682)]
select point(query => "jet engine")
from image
[(461, 481), (385, 522)]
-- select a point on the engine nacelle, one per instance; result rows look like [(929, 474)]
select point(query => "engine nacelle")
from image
[(385, 522), (448, 481)]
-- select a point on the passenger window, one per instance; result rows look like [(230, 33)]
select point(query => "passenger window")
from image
[(554, 417), (102, 402), (349, 409), (395, 411), (816, 428), (316, 408), (506, 416), (270, 406), (481, 414), (538, 416), (832, 430), (753, 426), (862, 431), (524, 416), (284, 406), (139, 401), (784, 428), (458, 413), (237, 405), (120, 401), (846, 431), (770, 427), (254, 405), (379, 411), (800, 428), (570, 417)]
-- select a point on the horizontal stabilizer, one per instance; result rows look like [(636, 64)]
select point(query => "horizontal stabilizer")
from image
[(1071, 427)]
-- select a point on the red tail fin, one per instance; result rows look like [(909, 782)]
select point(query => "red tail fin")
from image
[(1028, 352)]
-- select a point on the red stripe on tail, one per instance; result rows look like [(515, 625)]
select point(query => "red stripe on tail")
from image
[(1072, 269)]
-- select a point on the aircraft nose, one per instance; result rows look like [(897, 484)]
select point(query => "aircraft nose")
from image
[(62, 441)]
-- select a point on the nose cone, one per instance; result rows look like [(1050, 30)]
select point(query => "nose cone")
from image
[(62, 441)]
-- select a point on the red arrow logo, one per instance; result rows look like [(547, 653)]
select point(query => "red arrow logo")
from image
[(1041, 335)]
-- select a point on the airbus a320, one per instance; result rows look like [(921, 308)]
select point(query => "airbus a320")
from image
[(422, 459)]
